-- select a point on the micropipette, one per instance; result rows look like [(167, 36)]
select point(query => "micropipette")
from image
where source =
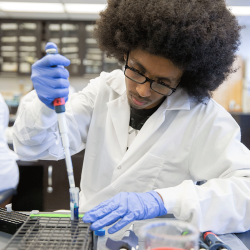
[(214, 242), (59, 105)]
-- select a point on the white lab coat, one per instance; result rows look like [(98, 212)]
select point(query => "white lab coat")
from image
[(180, 144), (9, 174)]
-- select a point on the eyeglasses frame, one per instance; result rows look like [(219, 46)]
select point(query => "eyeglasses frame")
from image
[(147, 79)]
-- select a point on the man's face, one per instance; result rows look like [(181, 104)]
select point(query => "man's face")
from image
[(141, 96)]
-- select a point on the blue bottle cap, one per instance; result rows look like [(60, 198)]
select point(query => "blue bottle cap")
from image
[(100, 232)]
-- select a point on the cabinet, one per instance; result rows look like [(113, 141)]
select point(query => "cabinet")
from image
[(244, 122), (93, 59), (69, 38), (19, 46), (59, 198), (23, 43), (37, 181)]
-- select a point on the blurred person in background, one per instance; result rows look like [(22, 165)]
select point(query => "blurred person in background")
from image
[(9, 173), (9, 130)]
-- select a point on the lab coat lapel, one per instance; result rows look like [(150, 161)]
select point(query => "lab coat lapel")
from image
[(176, 103), (119, 108), (119, 112), (148, 129)]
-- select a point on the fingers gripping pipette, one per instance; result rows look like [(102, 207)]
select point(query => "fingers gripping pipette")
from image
[(59, 105)]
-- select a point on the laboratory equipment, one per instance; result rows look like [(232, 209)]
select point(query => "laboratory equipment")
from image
[(129, 241), (11, 221), (100, 239), (168, 235), (214, 242), (100, 232), (202, 245), (9, 207), (52, 215), (74, 202), (52, 233), (59, 105)]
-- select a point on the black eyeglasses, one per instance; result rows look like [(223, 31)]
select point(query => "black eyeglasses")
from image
[(159, 87)]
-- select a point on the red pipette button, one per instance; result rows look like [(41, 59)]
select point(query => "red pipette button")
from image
[(59, 101)]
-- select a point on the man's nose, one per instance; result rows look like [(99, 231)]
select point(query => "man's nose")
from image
[(144, 90)]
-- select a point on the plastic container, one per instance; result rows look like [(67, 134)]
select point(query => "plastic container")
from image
[(170, 235), (74, 203), (101, 240)]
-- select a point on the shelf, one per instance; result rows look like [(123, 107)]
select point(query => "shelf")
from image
[(23, 42)]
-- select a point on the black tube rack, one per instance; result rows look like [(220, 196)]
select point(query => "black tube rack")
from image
[(49, 233), (11, 221)]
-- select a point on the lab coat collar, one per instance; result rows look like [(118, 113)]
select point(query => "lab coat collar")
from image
[(116, 81), (177, 101)]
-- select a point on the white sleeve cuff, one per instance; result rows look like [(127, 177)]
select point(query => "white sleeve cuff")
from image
[(172, 196), (169, 198)]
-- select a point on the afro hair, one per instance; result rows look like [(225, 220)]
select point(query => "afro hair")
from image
[(198, 36)]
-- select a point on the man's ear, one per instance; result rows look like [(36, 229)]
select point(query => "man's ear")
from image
[(125, 57)]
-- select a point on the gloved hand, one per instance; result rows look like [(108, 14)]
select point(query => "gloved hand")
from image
[(128, 206), (51, 82)]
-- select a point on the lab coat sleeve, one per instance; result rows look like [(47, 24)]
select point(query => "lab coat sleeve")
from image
[(222, 204), (9, 174), (36, 134)]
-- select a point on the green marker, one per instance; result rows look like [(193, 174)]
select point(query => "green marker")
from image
[(185, 232)]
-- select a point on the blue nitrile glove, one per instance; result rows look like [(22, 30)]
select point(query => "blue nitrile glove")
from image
[(51, 82), (128, 206)]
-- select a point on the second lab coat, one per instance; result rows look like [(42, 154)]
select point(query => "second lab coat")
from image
[(181, 143), (9, 173)]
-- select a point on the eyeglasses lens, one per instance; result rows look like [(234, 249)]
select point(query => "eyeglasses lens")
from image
[(161, 89), (141, 79), (134, 76)]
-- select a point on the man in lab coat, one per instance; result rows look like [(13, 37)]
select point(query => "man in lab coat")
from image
[(9, 174), (152, 131)]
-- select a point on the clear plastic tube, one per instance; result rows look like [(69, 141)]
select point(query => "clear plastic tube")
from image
[(74, 203)]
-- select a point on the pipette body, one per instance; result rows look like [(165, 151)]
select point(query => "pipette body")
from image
[(214, 242), (59, 105)]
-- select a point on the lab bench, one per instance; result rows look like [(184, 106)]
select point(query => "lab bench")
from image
[(235, 241), (44, 184)]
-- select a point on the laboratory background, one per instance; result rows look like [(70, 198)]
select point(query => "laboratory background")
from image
[(26, 27)]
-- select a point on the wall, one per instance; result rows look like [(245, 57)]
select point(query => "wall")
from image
[(244, 50)]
